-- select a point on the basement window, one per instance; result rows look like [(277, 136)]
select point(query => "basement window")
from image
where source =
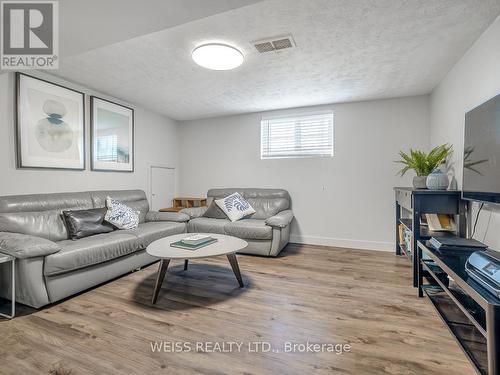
[(297, 136)]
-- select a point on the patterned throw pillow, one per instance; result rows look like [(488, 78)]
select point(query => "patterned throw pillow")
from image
[(235, 207), (120, 215)]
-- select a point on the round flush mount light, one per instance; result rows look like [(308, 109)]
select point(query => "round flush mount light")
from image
[(217, 56)]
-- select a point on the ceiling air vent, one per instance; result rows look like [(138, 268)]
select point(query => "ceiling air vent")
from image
[(264, 47), (274, 44), (282, 44)]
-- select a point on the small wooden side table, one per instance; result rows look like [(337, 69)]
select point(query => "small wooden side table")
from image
[(4, 259), (180, 203)]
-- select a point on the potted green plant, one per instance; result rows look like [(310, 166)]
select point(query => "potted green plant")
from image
[(422, 163)]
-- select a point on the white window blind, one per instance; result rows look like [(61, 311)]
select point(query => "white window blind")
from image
[(297, 136), (107, 148)]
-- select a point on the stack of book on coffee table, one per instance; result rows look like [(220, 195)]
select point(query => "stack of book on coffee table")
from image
[(194, 242)]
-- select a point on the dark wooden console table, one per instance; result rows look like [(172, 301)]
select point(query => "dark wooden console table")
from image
[(411, 204), (471, 313)]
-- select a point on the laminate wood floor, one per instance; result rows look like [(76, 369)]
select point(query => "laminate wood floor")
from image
[(309, 294)]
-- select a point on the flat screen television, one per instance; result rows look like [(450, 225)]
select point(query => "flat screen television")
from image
[(481, 171)]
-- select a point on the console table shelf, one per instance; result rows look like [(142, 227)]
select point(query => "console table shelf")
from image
[(425, 233), (180, 203), (411, 204), (471, 312)]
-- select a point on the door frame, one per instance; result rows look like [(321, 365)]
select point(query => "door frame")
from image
[(150, 179)]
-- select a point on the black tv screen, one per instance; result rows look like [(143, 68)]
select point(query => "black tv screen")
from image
[(481, 172)]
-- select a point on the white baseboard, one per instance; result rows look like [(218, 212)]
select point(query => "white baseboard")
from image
[(342, 242)]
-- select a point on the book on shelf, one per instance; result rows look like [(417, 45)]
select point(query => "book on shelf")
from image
[(408, 240), (405, 238), (441, 222)]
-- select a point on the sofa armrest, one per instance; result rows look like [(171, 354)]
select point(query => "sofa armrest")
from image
[(167, 216), (25, 246), (281, 219), (194, 212)]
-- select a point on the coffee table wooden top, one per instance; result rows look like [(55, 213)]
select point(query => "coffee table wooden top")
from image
[(225, 245)]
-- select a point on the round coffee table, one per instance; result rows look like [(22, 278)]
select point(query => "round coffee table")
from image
[(225, 245)]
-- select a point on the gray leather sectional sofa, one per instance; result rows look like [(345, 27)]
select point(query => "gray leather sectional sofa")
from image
[(267, 231), (50, 267)]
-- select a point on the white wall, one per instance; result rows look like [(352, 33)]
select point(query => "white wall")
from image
[(472, 81), (346, 200), (155, 142)]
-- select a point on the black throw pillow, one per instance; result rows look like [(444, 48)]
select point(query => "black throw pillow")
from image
[(213, 211), (84, 223)]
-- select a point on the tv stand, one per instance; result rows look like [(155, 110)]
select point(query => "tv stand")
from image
[(471, 312)]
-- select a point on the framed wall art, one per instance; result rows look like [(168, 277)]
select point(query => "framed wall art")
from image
[(50, 125), (112, 133)]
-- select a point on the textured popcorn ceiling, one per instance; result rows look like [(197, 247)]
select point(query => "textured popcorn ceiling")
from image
[(89, 24), (347, 50)]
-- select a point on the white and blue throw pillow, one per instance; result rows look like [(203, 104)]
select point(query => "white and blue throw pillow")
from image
[(120, 215), (235, 207)]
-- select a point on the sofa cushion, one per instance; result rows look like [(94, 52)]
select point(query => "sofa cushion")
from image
[(84, 223), (46, 224), (213, 194), (207, 225), (120, 215), (250, 229), (266, 202), (45, 202), (235, 206), (214, 212), (281, 219), (178, 217), (135, 199), (152, 231), (193, 212), (89, 251), (267, 207), (140, 206), (25, 246)]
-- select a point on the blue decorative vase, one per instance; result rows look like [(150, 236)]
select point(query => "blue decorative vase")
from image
[(437, 180)]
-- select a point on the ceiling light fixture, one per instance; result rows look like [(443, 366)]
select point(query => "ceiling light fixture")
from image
[(217, 56)]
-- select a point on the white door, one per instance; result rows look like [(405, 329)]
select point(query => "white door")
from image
[(162, 187)]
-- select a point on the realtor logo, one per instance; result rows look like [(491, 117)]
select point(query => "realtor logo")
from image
[(29, 35)]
